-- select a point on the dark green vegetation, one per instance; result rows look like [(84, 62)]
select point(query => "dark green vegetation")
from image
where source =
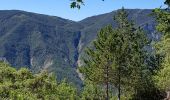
[(120, 60), (109, 65), (162, 77), (23, 85), (40, 42)]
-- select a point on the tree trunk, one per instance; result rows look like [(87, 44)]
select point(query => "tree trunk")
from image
[(168, 95), (107, 91), (107, 84), (119, 89), (119, 85)]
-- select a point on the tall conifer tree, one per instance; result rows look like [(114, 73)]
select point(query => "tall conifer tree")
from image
[(118, 56)]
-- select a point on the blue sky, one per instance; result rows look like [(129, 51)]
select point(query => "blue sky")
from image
[(62, 9)]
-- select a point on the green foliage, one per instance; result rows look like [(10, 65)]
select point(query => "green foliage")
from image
[(163, 47), (65, 91), (92, 91), (76, 4), (130, 56), (93, 24), (118, 57), (60, 46), (22, 84), (52, 40), (163, 18), (97, 68), (98, 58), (167, 2), (163, 77)]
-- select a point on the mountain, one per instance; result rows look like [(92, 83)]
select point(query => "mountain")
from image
[(41, 42)]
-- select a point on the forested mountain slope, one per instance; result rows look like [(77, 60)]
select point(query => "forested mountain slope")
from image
[(41, 42)]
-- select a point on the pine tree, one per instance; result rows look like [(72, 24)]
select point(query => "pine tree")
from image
[(130, 55), (117, 58), (98, 67)]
